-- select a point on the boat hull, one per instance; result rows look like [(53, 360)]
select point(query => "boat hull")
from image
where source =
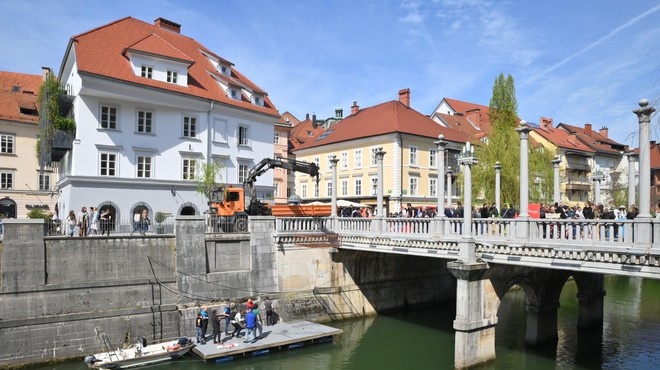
[(132, 358)]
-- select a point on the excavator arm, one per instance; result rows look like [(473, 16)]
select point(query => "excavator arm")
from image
[(256, 207)]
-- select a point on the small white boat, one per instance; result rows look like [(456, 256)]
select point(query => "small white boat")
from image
[(138, 354)]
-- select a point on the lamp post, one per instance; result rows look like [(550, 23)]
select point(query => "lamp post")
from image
[(380, 154), (555, 185), (498, 170), (467, 247), (333, 162)]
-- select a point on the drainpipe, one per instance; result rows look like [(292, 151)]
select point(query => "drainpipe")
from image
[(209, 135)]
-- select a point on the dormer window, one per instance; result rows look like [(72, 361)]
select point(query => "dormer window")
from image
[(224, 69), (172, 77), (233, 93), (147, 72)]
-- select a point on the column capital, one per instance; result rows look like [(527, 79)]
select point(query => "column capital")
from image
[(523, 129), (497, 166), (441, 142), (556, 161), (632, 156), (644, 111)]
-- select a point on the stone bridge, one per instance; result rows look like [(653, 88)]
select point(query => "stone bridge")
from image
[(539, 255)]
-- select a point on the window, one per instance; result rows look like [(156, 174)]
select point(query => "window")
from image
[(242, 172), (108, 117), (358, 186), (188, 170), (374, 186), (317, 162), (189, 126), (147, 72), (6, 144), (433, 187), (344, 160), (433, 154), (373, 156), (317, 191), (344, 188), (223, 69), (44, 181), (108, 165), (413, 156), (304, 191), (276, 190), (233, 93), (329, 189), (172, 77), (328, 163), (144, 166), (276, 137), (358, 158), (6, 180), (243, 136), (412, 190), (144, 119)]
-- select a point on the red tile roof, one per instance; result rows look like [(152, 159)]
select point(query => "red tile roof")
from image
[(304, 132), (464, 107), (594, 139), (460, 122), (655, 155), (100, 52), (385, 118), (25, 96), (562, 139)]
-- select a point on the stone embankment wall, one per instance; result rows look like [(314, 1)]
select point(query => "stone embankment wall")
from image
[(55, 291)]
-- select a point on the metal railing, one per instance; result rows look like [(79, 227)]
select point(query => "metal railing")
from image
[(122, 227)]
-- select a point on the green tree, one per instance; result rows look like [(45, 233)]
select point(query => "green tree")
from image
[(503, 145), (206, 178)]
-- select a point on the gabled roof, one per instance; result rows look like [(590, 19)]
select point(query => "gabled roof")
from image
[(460, 122), (464, 107), (100, 52), (155, 45), (385, 118), (562, 139), (19, 90), (593, 139), (304, 132)]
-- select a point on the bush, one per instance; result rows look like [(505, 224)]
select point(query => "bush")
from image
[(160, 217), (38, 213)]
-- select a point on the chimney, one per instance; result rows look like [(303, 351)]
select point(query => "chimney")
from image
[(339, 113), (546, 123), (474, 115), (587, 128), (314, 124), (167, 25), (571, 138), (44, 73), (404, 97), (604, 131), (355, 108), (307, 117)]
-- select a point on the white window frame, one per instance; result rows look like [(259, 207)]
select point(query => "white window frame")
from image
[(108, 163), (433, 187), (43, 181), (433, 158), (108, 123), (344, 160), (242, 172), (189, 126), (344, 188), (7, 144), (413, 185), (188, 168), (357, 187), (317, 190), (374, 157), (147, 71), (317, 162), (357, 159), (147, 117), (303, 189), (373, 182), (6, 180), (243, 135), (328, 163), (276, 137), (144, 173), (413, 154), (328, 189), (172, 76), (276, 189)]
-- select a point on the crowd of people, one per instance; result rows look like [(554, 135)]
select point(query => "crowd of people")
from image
[(246, 316), (88, 223)]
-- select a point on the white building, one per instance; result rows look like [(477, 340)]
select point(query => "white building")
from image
[(150, 106)]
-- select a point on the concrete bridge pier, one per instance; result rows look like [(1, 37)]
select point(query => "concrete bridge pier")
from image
[(590, 297), (541, 323), (476, 315)]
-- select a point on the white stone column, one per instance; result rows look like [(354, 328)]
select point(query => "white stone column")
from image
[(596, 178), (380, 154), (524, 130), (498, 171), (467, 248), (440, 211), (555, 185), (644, 116), (631, 177), (334, 160)]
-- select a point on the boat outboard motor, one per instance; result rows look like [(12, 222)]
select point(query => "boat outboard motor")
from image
[(90, 359), (143, 341)]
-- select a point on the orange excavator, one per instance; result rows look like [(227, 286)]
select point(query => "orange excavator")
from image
[(228, 203)]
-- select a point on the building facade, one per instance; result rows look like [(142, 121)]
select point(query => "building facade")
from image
[(151, 107)]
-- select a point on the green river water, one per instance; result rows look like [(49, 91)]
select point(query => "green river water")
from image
[(424, 339)]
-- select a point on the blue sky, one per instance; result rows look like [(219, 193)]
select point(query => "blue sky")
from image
[(575, 61)]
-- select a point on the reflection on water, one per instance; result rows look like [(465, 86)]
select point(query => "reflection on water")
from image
[(424, 338)]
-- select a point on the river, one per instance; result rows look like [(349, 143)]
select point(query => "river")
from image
[(424, 338)]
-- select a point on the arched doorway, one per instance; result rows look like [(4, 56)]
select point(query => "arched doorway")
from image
[(188, 211), (7, 208), (112, 221)]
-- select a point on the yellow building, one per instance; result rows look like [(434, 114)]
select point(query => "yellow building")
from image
[(22, 185), (409, 166)]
